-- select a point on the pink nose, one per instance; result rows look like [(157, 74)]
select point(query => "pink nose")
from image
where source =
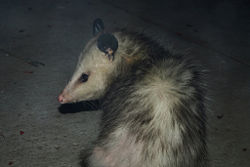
[(61, 98)]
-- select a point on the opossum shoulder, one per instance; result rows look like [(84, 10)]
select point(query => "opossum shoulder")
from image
[(169, 80)]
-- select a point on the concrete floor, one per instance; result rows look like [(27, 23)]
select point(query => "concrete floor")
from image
[(39, 45)]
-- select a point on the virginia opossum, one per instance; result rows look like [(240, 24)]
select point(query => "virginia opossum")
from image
[(152, 100)]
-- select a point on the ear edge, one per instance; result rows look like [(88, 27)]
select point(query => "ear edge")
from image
[(98, 26)]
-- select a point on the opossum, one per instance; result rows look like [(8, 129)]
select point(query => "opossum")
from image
[(153, 102)]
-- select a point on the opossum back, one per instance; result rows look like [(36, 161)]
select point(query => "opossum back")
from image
[(160, 104)]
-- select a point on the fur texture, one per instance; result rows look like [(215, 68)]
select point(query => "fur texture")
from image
[(152, 102)]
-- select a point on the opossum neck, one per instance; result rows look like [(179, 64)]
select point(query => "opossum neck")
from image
[(127, 61), (128, 55), (130, 59)]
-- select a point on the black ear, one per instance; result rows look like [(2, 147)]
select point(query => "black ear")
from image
[(98, 26), (108, 44)]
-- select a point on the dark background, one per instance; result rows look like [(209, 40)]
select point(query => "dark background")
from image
[(40, 41)]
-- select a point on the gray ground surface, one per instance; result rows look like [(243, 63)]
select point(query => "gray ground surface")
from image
[(39, 45)]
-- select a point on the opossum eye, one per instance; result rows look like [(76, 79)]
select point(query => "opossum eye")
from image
[(84, 78)]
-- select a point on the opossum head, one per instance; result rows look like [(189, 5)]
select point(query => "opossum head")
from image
[(94, 69)]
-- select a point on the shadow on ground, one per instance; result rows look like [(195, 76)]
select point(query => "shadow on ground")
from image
[(79, 107)]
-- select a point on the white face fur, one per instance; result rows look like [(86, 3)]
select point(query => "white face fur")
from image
[(96, 68)]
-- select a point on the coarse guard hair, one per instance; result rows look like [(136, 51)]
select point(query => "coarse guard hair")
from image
[(152, 100)]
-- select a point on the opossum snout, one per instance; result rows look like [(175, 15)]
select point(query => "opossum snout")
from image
[(62, 99)]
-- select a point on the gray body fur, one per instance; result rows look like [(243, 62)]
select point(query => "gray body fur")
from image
[(153, 110)]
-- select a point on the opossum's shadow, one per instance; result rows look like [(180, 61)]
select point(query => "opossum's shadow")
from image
[(79, 107)]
